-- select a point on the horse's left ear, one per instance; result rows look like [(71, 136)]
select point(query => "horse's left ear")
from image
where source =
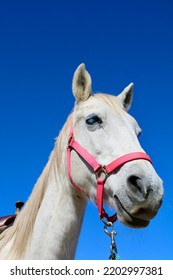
[(126, 97), (81, 85)]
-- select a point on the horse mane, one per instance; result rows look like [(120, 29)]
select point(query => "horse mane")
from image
[(22, 228)]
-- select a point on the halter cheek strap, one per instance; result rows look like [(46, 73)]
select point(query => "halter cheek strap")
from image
[(101, 172)]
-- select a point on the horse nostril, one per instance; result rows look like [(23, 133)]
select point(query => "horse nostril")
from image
[(135, 181)]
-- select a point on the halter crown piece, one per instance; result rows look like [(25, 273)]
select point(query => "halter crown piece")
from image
[(102, 172)]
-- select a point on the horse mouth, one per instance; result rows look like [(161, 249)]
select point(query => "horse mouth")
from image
[(126, 218)]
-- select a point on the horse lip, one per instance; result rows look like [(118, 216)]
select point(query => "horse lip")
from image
[(133, 221)]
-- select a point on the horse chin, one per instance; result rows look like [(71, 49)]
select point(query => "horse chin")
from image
[(132, 222), (127, 219)]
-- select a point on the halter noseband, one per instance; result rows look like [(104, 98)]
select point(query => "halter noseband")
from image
[(99, 171)]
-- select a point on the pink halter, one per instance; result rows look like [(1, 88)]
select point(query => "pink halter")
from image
[(99, 171)]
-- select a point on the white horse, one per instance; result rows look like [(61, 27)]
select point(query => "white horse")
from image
[(96, 156)]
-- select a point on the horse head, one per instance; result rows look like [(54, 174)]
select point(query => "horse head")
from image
[(103, 127)]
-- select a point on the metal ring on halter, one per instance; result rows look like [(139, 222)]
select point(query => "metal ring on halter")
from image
[(106, 223), (101, 173)]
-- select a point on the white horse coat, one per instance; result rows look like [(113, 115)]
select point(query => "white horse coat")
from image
[(49, 225)]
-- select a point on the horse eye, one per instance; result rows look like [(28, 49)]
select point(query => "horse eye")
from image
[(139, 133), (92, 119)]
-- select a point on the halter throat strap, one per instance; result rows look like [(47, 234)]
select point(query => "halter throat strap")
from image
[(102, 172)]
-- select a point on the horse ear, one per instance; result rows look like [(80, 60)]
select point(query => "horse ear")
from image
[(81, 85), (126, 97)]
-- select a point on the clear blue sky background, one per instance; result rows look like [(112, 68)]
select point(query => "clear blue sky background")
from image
[(41, 44)]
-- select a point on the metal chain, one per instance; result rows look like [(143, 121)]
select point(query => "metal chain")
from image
[(113, 248)]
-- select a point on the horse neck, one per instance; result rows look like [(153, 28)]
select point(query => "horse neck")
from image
[(58, 223), (59, 219), (49, 225)]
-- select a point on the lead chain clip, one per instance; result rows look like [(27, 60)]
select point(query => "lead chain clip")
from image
[(113, 248)]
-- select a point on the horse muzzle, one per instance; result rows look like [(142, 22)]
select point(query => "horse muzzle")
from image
[(140, 201)]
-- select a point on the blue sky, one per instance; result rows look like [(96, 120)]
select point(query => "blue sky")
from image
[(41, 44)]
